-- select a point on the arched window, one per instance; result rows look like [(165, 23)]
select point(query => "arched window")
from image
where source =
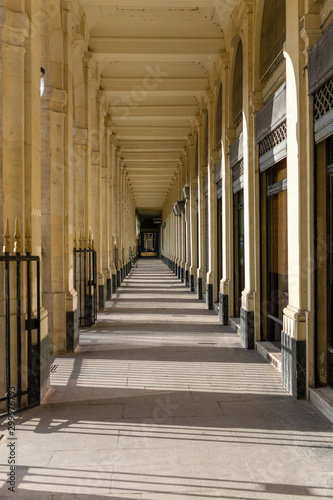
[(218, 123), (237, 96), (273, 36)]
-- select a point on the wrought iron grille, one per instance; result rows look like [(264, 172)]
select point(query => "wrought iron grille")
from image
[(85, 281), (238, 171), (20, 328), (277, 136), (323, 100)]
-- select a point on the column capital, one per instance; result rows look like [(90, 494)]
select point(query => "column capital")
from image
[(230, 135), (113, 140), (190, 141), (100, 96), (198, 121), (108, 122), (81, 136), (215, 156), (209, 96), (310, 30), (14, 27), (88, 58), (95, 157), (54, 99), (255, 100)]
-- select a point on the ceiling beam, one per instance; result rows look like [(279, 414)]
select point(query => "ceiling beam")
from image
[(153, 111), (151, 156), (165, 132), (152, 145), (167, 45), (137, 85), (155, 4)]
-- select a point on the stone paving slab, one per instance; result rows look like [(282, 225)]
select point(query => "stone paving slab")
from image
[(162, 402)]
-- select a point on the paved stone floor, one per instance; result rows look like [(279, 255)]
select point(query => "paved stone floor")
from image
[(161, 402)]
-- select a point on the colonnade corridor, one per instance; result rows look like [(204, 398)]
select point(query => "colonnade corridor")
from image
[(162, 402)]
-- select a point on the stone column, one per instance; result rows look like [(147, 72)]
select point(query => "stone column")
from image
[(72, 316), (188, 214), (80, 151), (121, 219), (14, 28), (108, 249), (192, 214), (211, 293), (116, 189), (250, 178), (181, 222), (53, 216), (202, 172), (31, 202), (113, 211), (226, 201), (101, 232), (296, 316)]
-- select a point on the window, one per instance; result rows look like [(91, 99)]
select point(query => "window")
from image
[(273, 36), (218, 124), (237, 96), (274, 234)]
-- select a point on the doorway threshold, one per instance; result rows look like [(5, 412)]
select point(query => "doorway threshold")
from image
[(235, 324), (322, 398), (270, 352)]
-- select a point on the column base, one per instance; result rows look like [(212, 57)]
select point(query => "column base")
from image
[(187, 278), (44, 365), (72, 330), (178, 271), (192, 283), (199, 288), (247, 328), (223, 309), (108, 289), (181, 274), (330, 367), (101, 297), (118, 278), (114, 283), (209, 296), (293, 365)]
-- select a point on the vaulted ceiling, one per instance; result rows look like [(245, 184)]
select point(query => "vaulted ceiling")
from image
[(155, 58)]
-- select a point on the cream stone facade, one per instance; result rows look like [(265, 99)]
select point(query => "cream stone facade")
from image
[(214, 117)]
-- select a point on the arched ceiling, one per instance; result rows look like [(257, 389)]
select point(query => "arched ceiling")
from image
[(155, 58)]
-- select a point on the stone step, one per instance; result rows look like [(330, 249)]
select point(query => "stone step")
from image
[(270, 352), (322, 399), (235, 324)]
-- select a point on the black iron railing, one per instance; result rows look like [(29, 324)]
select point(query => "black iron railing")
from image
[(85, 281), (20, 357)]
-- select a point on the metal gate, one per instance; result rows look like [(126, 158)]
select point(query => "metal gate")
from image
[(85, 281), (20, 330)]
